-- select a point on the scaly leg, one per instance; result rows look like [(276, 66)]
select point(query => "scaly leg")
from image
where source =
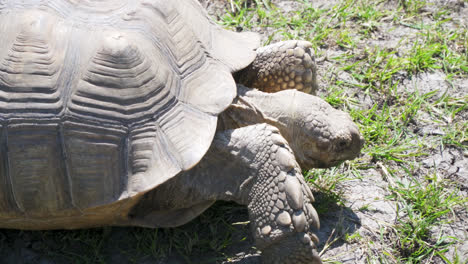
[(280, 66), (255, 166), (259, 170), (279, 201)]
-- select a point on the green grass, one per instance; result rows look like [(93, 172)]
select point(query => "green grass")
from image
[(203, 239), (424, 205), (391, 123)]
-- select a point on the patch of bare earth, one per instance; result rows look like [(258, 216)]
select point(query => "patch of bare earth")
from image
[(368, 215)]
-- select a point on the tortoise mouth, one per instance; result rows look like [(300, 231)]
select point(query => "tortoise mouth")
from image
[(330, 163), (311, 161)]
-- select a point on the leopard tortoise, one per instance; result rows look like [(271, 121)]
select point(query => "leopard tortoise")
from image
[(126, 112)]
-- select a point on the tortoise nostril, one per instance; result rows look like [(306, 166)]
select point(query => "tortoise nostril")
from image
[(342, 144)]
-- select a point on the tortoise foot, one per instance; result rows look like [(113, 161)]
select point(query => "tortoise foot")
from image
[(293, 249), (285, 236)]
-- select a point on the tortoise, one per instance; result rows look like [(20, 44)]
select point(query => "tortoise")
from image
[(127, 113)]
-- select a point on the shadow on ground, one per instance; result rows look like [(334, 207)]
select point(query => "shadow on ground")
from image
[(220, 235)]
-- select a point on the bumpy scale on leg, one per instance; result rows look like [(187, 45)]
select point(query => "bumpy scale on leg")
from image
[(279, 203), (252, 165), (280, 66)]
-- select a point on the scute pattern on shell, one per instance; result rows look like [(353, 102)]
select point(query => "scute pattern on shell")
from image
[(102, 100)]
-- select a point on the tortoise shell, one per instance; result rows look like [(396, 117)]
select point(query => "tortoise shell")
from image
[(101, 101)]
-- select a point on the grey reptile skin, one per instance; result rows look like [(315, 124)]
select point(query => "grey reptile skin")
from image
[(126, 112)]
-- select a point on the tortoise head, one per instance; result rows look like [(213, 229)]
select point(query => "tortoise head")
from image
[(319, 135)]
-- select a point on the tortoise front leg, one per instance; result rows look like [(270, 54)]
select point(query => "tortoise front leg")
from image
[(252, 165), (280, 66), (278, 199)]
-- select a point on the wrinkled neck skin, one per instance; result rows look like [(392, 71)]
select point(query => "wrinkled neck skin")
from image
[(319, 135)]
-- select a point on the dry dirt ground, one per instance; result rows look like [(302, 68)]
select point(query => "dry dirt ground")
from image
[(374, 224), (365, 210)]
